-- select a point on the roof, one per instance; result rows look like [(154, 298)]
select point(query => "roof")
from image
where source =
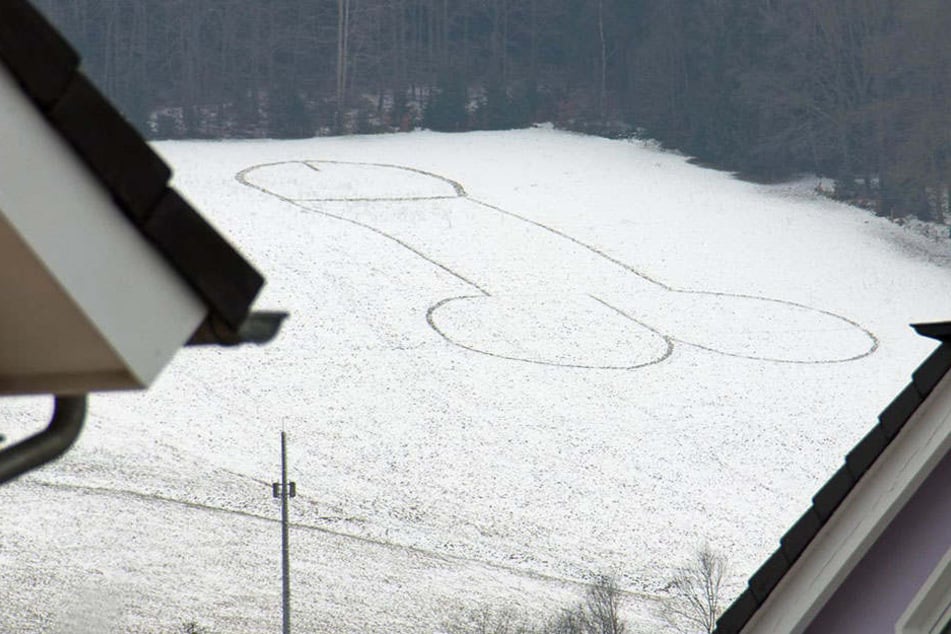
[(47, 69), (825, 502)]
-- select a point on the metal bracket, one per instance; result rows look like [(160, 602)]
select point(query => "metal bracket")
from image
[(259, 327), (69, 413)]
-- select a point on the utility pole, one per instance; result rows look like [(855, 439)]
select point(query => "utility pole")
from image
[(285, 490)]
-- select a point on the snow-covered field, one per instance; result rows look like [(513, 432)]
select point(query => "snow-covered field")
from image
[(513, 360)]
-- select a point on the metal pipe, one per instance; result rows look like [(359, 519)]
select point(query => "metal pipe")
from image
[(69, 413)]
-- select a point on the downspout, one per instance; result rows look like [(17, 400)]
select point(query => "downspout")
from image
[(69, 413)]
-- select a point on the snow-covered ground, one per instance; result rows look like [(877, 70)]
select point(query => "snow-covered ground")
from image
[(514, 359)]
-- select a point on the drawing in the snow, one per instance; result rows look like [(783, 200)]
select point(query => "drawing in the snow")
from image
[(516, 360)]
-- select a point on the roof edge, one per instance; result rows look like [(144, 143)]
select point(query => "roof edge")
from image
[(117, 156), (940, 330), (829, 497)]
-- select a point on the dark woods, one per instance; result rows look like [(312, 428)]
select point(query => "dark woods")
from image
[(857, 90)]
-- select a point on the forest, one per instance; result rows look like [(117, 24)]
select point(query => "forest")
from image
[(857, 91)]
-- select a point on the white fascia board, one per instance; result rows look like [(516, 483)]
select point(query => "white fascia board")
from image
[(130, 295), (930, 610), (861, 518)]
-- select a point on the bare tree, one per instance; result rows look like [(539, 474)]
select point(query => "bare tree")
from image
[(343, 54), (602, 607), (599, 613), (603, 66), (695, 593)]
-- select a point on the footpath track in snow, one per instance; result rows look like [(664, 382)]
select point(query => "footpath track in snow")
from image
[(512, 287), (297, 525)]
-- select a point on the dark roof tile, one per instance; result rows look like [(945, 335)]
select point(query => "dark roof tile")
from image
[(932, 370), (37, 55), (736, 616), (798, 537), (111, 147), (899, 411), (765, 579), (212, 266), (864, 454), (940, 330), (828, 498)]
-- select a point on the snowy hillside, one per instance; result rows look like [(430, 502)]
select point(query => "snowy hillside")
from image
[(513, 360)]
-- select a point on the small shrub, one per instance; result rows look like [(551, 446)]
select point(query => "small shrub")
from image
[(598, 613)]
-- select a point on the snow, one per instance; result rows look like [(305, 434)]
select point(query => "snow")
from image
[(514, 360)]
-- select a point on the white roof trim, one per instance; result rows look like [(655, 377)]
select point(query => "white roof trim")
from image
[(930, 610), (125, 289)]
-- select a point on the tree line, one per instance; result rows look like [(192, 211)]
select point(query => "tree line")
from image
[(856, 90)]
